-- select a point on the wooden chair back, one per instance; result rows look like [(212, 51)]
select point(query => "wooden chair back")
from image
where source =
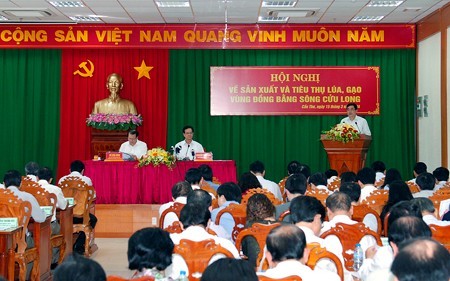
[(239, 214), (379, 183), (436, 198), (82, 193), (445, 191), (258, 231), (385, 224), (198, 254), (175, 208), (334, 185), (282, 185), (175, 227), (206, 187), (441, 234), (43, 197), (266, 192), (318, 253), (360, 211), (349, 235), (284, 214), (118, 278), (288, 278), (377, 199), (216, 181), (320, 194), (414, 188)]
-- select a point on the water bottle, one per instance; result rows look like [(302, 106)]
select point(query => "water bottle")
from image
[(358, 257), (182, 276)]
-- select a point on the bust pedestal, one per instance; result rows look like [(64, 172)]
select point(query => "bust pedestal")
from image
[(103, 141)]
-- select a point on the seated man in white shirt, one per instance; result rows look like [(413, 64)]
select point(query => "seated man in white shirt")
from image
[(133, 146), (366, 180), (404, 225), (195, 218), (318, 181), (380, 170), (418, 169), (441, 174), (31, 170), (180, 192), (77, 170), (287, 255), (426, 206), (257, 168), (426, 182), (354, 191)]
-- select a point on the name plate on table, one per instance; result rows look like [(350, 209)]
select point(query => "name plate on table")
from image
[(203, 156), (114, 157), (70, 201), (7, 223), (47, 210)]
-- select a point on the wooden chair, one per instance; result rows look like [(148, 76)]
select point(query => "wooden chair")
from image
[(436, 198), (379, 183), (175, 208), (334, 185), (284, 214), (414, 188), (288, 278), (266, 192), (45, 198), (84, 197), (118, 278), (441, 234), (320, 194), (385, 225), (12, 206), (317, 253), (259, 232), (206, 187), (377, 199), (198, 254), (239, 214), (216, 181), (350, 235), (445, 191), (361, 211), (282, 185), (175, 227)]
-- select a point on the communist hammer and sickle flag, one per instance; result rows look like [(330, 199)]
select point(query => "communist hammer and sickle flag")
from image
[(84, 71)]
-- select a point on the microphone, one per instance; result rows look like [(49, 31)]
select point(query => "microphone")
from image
[(187, 150), (356, 123)]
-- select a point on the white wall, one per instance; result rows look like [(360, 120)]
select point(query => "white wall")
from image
[(429, 77), (448, 92)]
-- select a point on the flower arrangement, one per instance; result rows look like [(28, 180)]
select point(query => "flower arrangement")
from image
[(342, 133), (110, 122), (156, 157)]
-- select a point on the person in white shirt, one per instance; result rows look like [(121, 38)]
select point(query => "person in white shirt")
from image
[(133, 146), (287, 255), (426, 182), (31, 170), (441, 174), (257, 168), (426, 206), (180, 192), (77, 170), (195, 218), (418, 169), (366, 180), (356, 121), (318, 181), (186, 149), (380, 170)]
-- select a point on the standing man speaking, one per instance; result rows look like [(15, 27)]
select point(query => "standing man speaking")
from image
[(356, 121)]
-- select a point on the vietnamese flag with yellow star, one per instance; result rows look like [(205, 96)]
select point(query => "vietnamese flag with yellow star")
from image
[(83, 82)]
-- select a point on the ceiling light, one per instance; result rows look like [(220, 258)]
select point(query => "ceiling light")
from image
[(85, 18), (412, 9), (173, 4), (384, 3), (27, 13), (2, 18), (273, 19), (299, 13), (67, 4), (275, 4), (367, 18)]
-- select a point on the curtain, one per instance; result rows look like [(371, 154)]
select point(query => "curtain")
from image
[(277, 140), (29, 108), (78, 95)]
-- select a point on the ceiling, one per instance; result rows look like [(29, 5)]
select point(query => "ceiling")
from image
[(213, 11)]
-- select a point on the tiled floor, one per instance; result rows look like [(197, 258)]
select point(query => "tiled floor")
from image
[(112, 256)]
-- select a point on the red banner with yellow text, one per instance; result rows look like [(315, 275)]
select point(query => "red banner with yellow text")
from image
[(294, 90), (208, 36)]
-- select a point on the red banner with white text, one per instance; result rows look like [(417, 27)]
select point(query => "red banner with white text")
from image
[(294, 90), (209, 36)]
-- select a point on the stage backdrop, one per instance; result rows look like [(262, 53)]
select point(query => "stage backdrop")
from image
[(79, 92), (276, 140)]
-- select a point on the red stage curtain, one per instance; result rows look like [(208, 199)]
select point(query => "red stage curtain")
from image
[(78, 95)]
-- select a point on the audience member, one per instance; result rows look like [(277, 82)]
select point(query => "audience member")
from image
[(441, 174), (426, 206), (79, 268), (366, 180), (318, 181), (380, 170), (304, 170), (332, 175), (418, 169), (133, 146), (426, 182), (348, 177), (293, 167), (257, 168), (398, 191), (31, 170), (391, 176), (207, 175), (354, 191), (150, 252), (227, 193), (295, 186), (287, 255), (248, 181), (77, 170), (179, 195), (228, 269), (422, 259), (194, 177)]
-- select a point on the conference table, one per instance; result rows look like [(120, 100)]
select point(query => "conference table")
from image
[(125, 183)]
